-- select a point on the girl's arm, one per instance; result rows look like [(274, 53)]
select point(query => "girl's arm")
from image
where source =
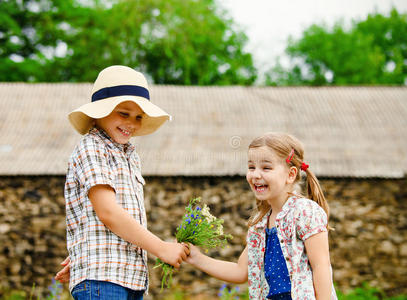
[(223, 270), (317, 248)]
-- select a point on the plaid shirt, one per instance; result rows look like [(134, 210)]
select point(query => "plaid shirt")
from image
[(96, 252)]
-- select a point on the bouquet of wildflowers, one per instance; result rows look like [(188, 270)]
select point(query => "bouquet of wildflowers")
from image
[(198, 227)]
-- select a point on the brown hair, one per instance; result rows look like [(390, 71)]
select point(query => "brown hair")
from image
[(283, 145)]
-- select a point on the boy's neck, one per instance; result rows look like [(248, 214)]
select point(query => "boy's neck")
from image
[(123, 147)]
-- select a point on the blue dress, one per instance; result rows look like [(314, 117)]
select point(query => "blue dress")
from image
[(275, 268)]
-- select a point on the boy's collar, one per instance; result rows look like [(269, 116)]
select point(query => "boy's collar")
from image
[(127, 148)]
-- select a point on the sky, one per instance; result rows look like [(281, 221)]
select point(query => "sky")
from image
[(269, 23)]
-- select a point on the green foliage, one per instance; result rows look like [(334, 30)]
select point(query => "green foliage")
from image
[(367, 292), (55, 292), (373, 51), (174, 41), (232, 294), (29, 29)]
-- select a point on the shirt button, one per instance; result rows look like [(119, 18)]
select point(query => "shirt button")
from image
[(281, 241), (287, 258)]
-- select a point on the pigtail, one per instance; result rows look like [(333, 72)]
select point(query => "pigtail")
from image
[(316, 194), (315, 191)]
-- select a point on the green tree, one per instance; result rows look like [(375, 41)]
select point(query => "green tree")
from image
[(373, 51), (174, 41), (28, 32), (390, 35)]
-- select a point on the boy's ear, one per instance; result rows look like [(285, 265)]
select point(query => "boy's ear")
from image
[(292, 174)]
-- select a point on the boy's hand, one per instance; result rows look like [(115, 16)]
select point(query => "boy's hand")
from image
[(174, 253), (63, 275)]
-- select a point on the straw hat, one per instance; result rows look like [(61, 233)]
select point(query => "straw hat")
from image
[(114, 85)]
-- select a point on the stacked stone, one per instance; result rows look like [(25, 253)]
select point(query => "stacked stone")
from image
[(32, 231), (369, 243)]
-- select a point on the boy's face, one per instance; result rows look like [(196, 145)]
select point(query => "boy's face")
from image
[(122, 122)]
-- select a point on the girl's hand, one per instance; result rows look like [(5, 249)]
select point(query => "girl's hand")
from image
[(194, 255), (63, 275)]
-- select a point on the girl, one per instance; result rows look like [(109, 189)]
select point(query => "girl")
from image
[(287, 253)]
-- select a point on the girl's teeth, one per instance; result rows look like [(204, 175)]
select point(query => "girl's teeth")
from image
[(260, 188)]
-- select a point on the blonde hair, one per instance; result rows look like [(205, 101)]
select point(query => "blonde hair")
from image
[(287, 146)]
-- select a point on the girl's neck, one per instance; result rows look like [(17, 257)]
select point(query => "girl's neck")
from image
[(278, 203), (276, 207)]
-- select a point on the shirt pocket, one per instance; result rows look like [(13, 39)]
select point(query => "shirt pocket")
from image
[(139, 178), (135, 169)]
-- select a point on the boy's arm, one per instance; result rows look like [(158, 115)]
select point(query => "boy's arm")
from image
[(318, 255), (118, 220), (223, 270)]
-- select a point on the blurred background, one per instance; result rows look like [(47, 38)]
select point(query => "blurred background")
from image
[(333, 73), (207, 42)]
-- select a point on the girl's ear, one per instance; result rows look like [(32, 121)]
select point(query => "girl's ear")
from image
[(292, 174)]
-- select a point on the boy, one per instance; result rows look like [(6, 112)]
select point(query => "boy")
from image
[(107, 237)]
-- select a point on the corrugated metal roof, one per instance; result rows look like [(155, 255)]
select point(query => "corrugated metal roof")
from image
[(347, 131)]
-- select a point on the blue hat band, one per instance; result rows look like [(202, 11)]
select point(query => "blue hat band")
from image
[(121, 90)]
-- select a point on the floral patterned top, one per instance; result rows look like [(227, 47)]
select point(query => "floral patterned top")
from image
[(299, 219)]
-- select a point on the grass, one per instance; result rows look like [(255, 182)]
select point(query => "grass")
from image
[(367, 292), (56, 291)]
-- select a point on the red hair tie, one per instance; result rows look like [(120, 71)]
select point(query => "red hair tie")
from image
[(304, 166), (290, 156)]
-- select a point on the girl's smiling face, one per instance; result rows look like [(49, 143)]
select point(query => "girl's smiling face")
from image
[(122, 122), (268, 175)]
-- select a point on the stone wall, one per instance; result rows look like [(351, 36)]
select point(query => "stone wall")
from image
[(369, 243)]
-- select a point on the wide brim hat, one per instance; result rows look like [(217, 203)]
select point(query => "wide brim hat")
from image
[(114, 85)]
